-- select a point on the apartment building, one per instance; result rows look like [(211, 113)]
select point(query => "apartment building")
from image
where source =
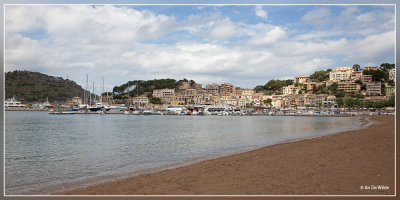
[(356, 75), (392, 74), (390, 90), (374, 88), (227, 89), (310, 85), (212, 88), (164, 93), (341, 73), (142, 100), (366, 78), (348, 86), (247, 92), (290, 89), (370, 68)]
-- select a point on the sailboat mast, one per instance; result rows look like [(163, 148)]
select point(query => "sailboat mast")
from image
[(102, 92), (94, 97), (87, 89)]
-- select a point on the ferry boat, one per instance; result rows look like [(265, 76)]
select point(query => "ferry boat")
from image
[(10, 103), (175, 109)]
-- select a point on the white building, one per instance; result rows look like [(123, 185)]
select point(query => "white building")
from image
[(392, 74), (140, 100), (341, 73), (163, 93), (291, 89)]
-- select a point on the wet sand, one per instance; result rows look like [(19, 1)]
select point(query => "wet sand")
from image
[(338, 164)]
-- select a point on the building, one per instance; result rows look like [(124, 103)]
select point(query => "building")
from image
[(374, 98), (176, 103), (76, 100), (302, 79), (290, 89), (184, 85), (198, 87), (374, 88), (349, 86), (140, 100), (319, 99), (341, 73), (310, 85), (356, 75), (390, 90), (247, 92), (212, 88), (227, 89), (277, 101), (164, 94), (392, 74), (329, 102), (370, 68), (243, 103), (366, 78)]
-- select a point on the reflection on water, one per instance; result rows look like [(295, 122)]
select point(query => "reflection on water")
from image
[(44, 150)]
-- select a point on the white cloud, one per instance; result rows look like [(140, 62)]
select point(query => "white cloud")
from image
[(260, 12), (318, 17), (222, 29), (111, 41)]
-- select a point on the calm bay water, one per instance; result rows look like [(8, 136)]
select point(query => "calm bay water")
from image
[(45, 153)]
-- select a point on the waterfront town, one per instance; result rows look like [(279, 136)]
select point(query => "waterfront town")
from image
[(345, 90)]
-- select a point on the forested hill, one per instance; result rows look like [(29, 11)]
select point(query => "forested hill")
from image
[(29, 87)]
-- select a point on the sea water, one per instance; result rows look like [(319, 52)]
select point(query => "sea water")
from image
[(48, 153)]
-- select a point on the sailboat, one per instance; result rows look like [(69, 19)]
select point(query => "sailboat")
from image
[(96, 106)]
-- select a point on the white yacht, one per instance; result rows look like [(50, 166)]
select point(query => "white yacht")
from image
[(9, 103), (175, 109)]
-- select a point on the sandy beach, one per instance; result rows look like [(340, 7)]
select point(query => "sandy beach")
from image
[(359, 162)]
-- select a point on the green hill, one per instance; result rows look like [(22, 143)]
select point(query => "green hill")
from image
[(29, 87)]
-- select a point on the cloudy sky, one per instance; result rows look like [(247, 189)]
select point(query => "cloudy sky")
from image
[(245, 45)]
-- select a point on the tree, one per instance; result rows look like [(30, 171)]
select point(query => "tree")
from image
[(340, 101), (259, 88), (356, 67), (359, 82), (155, 100), (314, 89), (333, 87), (268, 102), (340, 94), (319, 76), (387, 66), (377, 75), (275, 85), (322, 89), (349, 102), (298, 84), (192, 82)]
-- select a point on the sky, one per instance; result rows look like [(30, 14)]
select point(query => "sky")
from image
[(246, 45)]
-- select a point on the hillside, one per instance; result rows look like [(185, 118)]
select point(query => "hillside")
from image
[(29, 87)]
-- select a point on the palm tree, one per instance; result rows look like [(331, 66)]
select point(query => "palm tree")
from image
[(356, 67)]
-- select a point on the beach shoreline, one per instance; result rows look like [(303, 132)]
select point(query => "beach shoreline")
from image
[(336, 164)]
